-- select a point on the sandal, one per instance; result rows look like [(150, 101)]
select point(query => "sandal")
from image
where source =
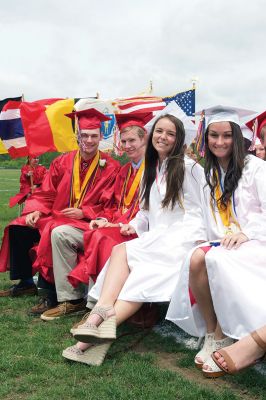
[(211, 346), (94, 355), (231, 368), (88, 332), (206, 350)]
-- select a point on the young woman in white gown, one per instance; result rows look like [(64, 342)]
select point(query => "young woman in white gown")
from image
[(146, 269), (228, 280)]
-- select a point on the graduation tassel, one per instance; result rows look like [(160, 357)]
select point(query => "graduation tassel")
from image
[(200, 138)]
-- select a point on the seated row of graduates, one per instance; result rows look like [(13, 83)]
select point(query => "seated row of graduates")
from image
[(87, 224)]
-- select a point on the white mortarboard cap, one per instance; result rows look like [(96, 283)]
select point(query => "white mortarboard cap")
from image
[(227, 114), (173, 109)]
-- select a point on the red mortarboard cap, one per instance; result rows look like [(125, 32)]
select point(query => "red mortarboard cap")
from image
[(88, 119), (261, 118), (133, 119)]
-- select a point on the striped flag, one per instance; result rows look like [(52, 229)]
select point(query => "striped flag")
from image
[(3, 150), (143, 104), (185, 100), (11, 130)]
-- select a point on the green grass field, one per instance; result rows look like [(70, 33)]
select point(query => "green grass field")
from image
[(142, 366)]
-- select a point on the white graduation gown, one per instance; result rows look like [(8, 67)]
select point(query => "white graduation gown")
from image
[(165, 237), (237, 278)]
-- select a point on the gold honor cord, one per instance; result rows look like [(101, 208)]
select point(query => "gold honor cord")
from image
[(135, 184), (226, 214), (78, 192)]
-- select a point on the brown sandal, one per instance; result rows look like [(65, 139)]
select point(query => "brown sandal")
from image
[(231, 367)]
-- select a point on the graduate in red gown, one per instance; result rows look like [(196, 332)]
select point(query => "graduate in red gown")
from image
[(105, 233), (75, 191), (31, 177)]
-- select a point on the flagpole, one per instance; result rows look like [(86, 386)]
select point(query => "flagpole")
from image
[(194, 80), (151, 87)]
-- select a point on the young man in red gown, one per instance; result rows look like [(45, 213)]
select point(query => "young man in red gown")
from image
[(76, 190)]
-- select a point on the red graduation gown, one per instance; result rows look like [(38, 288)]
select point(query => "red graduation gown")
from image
[(98, 243), (54, 196), (39, 173)]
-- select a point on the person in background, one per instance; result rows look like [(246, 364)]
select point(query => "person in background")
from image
[(31, 177), (258, 125), (260, 150)]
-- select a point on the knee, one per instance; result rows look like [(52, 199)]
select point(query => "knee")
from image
[(57, 234), (197, 262), (118, 250)]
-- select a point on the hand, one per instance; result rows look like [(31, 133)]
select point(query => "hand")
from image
[(127, 230), (32, 218), (72, 212), (234, 241), (30, 173), (98, 223)]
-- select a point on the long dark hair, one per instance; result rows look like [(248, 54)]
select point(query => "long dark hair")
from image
[(234, 170), (175, 168)]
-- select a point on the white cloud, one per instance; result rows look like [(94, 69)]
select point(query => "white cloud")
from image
[(62, 48)]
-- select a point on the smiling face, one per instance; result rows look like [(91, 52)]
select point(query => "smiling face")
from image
[(220, 141), (89, 140), (133, 144), (164, 138)]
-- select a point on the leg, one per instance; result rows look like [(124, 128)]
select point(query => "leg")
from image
[(108, 312), (66, 241), (21, 240), (116, 275), (199, 284)]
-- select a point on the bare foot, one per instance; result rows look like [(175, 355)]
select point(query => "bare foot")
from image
[(83, 346)]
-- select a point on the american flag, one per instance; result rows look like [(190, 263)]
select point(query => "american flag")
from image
[(143, 103), (185, 100)]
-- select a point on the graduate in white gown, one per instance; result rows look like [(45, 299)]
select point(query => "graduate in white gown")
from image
[(146, 269), (227, 281)]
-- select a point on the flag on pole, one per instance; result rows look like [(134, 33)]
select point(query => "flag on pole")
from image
[(108, 127), (11, 130), (46, 127), (3, 150), (142, 103), (185, 100)]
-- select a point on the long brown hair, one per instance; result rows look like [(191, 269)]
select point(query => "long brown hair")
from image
[(175, 168), (234, 170)]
